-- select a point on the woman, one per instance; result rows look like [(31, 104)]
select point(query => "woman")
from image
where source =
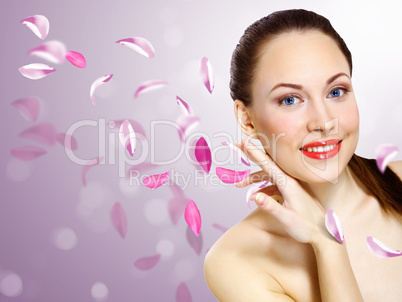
[(291, 83)]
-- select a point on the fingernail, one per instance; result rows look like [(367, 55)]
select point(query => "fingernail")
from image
[(261, 200)]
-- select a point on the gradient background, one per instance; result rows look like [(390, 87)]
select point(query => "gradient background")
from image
[(43, 197)]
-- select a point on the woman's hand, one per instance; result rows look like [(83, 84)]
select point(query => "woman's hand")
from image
[(301, 215)]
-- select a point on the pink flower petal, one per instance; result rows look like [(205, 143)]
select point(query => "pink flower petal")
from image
[(231, 176), (147, 263), (220, 227), (333, 225), (76, 59), (27, 153), (53, 51), (194, 241), (155, 181), (187, 110), (139, 130), (203, 154), (149, 86), (193, 217), (187, 123), (29, 108), (380, 249), (36, 71), (242, 156), (127, 137), (251, 190), (44, 133), (98, 82), (119, 219), (67, 141), (384, 154), (140, 45), (39, 24), (207, 74), (89, 164), (183, 294), (177, 203)]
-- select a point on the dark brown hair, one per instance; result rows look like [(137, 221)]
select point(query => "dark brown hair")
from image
[(387, 187)]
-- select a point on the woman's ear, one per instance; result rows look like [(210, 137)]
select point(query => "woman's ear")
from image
[(244, 118)]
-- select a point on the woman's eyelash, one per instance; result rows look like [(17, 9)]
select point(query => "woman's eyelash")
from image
[(280, 101)]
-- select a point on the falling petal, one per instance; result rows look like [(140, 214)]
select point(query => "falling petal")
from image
[(119, 219), (186, 124), (140, 45), (140, 168), (243, 157), (207, 74), (220, 227), (127, 137), (98, 82), (36, 71), (53, 51), (38, 24), (89, 164), (67, 141), (76, 59), (183, 294), (203, 154), (384, 154), (251, 190), (231, 176), (177, 203), (187, 110), (29, 108), (333, 225), (147, 263), (43, 133), (27, 153), (380, 249), (193, 217), (139, 130), (149, 86), (194, 241), (155, 181)]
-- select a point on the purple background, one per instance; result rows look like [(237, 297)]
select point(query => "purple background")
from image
[(45, 195)]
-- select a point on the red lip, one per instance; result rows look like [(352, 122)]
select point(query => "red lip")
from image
[(324, 154)]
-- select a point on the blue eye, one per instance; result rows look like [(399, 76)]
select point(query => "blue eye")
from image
[(289, 100), (336, 93)]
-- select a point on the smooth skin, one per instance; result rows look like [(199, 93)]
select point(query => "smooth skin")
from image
[(282, 250)]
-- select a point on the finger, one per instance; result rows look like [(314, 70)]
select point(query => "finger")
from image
[(253, 178), (270, 191), (273, 207)]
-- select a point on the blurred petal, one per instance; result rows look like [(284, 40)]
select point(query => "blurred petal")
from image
[(207, 74), (29, 108), (187, 110), (203, 154), (183, 294), (127, 137), (67, 141), (384, 154), (231, 176), (119, 219), (44, 133), (76, 59), (187, 123), (140, 45), (139, 130), (243, 157), (220, 227), (27, 153), (193, 217), (39, 24), (98, 82), (149, 86), (194, 241), (380, 249), (36, 71), (155, 181), (333, 225), (177, 203), (53, 51), (85, 168), (147, 263)]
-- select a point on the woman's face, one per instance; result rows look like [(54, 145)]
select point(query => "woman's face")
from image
[(315, 105)]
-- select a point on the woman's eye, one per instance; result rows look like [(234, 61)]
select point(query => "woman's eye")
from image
[(289, 100), (337, 92)]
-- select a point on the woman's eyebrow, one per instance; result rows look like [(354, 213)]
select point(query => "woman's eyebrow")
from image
[(295, 86)]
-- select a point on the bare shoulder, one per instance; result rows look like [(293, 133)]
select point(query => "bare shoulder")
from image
[(232, 267), (396, 166)]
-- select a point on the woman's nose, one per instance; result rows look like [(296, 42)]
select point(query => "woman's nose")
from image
[(320, 118)]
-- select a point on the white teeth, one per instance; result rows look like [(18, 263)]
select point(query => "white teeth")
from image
[(309, 149), (314, 149), (321, 148)]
